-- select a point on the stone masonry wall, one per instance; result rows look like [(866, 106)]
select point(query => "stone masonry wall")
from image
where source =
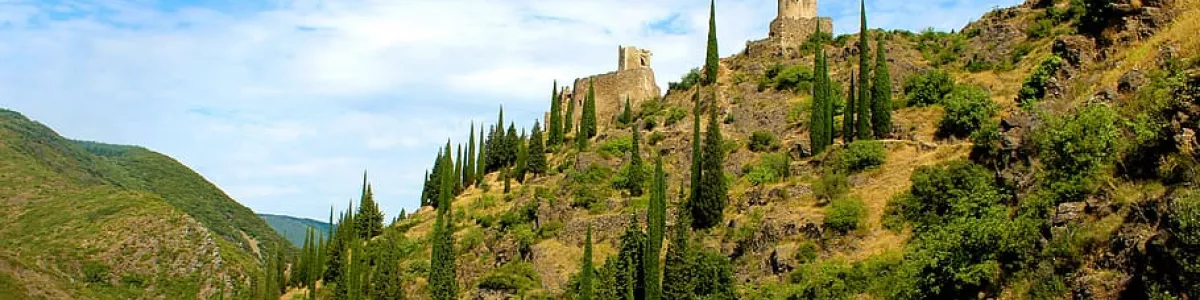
[(786, 36), (611, 89)]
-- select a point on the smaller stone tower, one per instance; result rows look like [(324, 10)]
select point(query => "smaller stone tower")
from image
[(797, 9), (630, 57)]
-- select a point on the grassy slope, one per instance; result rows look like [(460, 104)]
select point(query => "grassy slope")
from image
[(67, 212), (294, 229)]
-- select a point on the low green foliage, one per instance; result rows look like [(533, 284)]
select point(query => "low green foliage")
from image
[(515, 277), (769, 168), (616, 147), (861, 155), (830, 186), (967, 109), (1034, 88), (762, 141), (1077, 151), (928, 88), (845, 214), (787, 78)]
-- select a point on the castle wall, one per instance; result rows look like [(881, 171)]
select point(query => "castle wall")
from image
[(797, 9), (611, 89), (787, 35)]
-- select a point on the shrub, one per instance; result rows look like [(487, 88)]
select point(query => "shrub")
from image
[(794, 78), (830, 186), (861, 155), (806, 252), (967, 108), (686, 82), (845, 214), (616, 146), (1076, 150), (1039, 29), (762, 140), (588, 186), (515, 276), (674, 115), (770, 168), (94, 272), (655, 138), (1034, 88), (928, 88)]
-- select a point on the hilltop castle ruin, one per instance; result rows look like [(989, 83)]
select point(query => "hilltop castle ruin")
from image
[(633, 80), (793, 24)]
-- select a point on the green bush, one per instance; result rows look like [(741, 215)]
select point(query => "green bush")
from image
[(1034, 87), (94, 272), (862, 155), (833, 279), (762, 140), (656, 138), (1076, 151), (1039, 29), (928, 88), (770, 168), (616, 147), (787, 78), (674, 115), (845, 214), (967, 108), (589, 187), (806, 252), (515, 276), (686, 82), (830, 186)]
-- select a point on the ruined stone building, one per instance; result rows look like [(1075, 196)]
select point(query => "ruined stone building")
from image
[(634, 79), (793, 24)]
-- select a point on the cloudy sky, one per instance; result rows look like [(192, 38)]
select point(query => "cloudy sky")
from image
[(284, 103)]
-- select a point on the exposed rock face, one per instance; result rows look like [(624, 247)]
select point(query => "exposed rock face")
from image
[(1131, 82), (1077, 50)]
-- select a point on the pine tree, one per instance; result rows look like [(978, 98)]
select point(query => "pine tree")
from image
[(433, 185), (817, 134), (569, 118), (635, 177), (655, 226), (881, 93), (713, 188), (696, 154), (554, 127), (587, 270), (589, 112), (711, 58), (848, 114), (537, 152), (442, 281), (864, 77), (677, 267), (370, 219), (519, 168), (469, 167), (626, 114)]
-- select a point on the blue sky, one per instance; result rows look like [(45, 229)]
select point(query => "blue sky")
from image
[(284, 103)]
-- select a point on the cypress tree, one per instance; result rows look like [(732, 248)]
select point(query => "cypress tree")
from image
[(881, 96), (469, 166), (656, 223), (696, 154), (370, 219), (677, 267), (442, 282), (587, 270), (433, 183), (848, 114), (630, 264), (481, 158), (512, 143), (589, 112), (626, 114), (817, 134), (554, 128), (581, 140), (711, 58), (458, 171), (522, 159), (537, 152), (713, 189), (425, 187), (635, 177), (828, 92), (506, 173), (864, 77), (569, 118)]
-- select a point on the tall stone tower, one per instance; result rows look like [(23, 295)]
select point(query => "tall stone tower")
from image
[(630, 57), (797, 9), (633, 80), (796, 20)]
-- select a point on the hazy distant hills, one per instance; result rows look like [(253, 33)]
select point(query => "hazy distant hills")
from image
[(293, 228)]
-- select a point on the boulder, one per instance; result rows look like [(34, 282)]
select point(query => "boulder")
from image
[(1077, 50), (1131, 82), (1069, 211)]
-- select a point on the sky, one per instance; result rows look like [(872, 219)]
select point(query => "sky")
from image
[(284, 104)]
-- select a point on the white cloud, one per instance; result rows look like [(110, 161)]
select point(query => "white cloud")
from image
[(285, 103)]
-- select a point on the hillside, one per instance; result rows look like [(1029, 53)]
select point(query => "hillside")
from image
[(294, 229), (1045, 151), (93, 221)]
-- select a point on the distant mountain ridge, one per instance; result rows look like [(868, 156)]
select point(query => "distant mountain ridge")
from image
[(294, 229), (85, 220)]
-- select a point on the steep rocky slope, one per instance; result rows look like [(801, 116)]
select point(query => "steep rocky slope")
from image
[(1107, 243)]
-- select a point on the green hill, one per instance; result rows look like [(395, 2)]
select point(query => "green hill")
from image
[(293, 228), (94, 221)]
